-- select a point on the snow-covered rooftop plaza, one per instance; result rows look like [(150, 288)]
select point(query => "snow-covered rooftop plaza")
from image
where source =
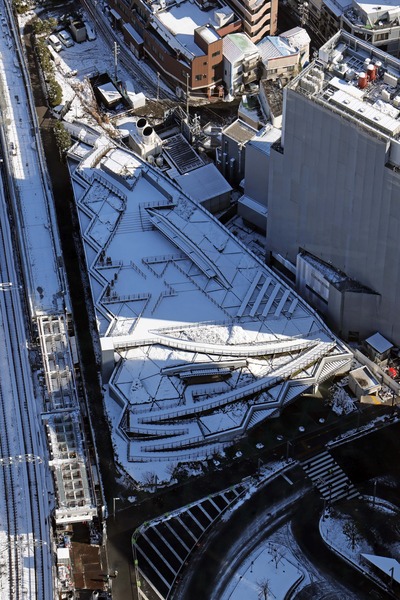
[(200, 340)]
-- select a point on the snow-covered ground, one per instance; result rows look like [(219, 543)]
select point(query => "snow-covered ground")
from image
[(342, 534), (73, 66)]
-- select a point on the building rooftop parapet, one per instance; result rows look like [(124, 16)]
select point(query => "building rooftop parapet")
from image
[(374, 16), (357, 80), (177, 22), (337, 278)]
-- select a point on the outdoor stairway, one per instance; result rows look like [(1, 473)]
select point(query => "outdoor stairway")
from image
[(162, 547), (330, 480)]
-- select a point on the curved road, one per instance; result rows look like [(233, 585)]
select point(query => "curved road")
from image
[(215, 564)]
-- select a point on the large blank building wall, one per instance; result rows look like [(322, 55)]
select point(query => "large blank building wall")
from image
[(331, 194)]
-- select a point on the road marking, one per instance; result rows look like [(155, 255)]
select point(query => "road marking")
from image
[(287, 478)]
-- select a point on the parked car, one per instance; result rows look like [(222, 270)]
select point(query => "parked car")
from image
[(65, 38), (55, 43)]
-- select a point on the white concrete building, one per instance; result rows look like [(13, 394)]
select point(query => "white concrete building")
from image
[(298, 39), (200, 340), (377, 23), (279, 59), (241, 62)]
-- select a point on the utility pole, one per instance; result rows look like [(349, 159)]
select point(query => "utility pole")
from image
[(116, 52), (187, 96)]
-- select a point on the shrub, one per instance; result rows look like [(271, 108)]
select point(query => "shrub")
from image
[(63, 138)]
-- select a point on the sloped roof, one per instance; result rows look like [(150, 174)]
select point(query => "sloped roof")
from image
[(237, 46), (296, 37), (274, 47), (379, 343), (204, 183)]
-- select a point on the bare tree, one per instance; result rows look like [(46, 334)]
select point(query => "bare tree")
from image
[(351, 531), (277, 554), (263, 589), (149, 479)]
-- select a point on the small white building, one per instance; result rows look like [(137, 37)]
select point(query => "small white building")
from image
[(378, 347), (279, 59), (363, 383), (298, 39), (241, 62)]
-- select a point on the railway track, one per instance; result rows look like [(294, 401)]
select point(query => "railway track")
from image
[(20, 475)]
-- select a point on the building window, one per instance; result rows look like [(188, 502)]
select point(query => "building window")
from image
[(199, 77), (214, 54), (381, 36)]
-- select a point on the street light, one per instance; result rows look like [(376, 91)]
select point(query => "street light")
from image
[(114, 501)]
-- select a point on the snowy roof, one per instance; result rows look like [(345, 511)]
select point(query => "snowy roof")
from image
[(109, 92), (381, 7), (178, 23), (274, 47), (203, 183), (62, 553), (389, 566), (379, 343), (237, 46), (191, 313), (240, 131), (253, 204), (296, 37), (133, 33), (114, 13), (264, 139), (208, 34), (332, 81)]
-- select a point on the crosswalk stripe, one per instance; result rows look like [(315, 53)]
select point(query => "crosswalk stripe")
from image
[(329, 478)]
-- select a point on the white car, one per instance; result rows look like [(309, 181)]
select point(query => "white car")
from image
[(65, 38), (90, 32), (55, 43)]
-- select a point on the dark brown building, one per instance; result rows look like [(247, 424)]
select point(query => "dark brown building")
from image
[(183, 40)]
